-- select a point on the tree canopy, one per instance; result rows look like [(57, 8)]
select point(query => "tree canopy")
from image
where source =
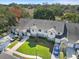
[(7, 19), (43, 13), (71, 17), (9, 13)]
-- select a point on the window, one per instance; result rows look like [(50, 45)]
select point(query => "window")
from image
[(33, 30), (28, 30), (55, 27), (39, 30), (51, 33), (45, 31), (58, 32), (33, 24)]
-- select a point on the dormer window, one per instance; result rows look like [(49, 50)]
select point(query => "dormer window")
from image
[(33, 24), (58, 32), (32, 30), (39, 30), (28, 30), (51, 33), (55, 27), (45, 31)]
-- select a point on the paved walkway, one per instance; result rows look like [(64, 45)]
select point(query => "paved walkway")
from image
[(19, 44), (13, 50), (23, 55)]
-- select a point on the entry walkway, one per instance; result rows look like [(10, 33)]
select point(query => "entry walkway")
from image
[(19, 44), (13, 50), (23, 55)]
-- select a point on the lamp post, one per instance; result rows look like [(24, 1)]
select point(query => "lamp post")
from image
[(36, 48), (36, 53)]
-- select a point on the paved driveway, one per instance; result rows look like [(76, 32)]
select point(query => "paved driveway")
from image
[(70, 53)]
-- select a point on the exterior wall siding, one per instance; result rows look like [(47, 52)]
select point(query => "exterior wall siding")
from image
[(42, 33)]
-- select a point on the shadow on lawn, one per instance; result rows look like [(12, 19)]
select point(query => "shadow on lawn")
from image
[(32, 44), (33, 41)]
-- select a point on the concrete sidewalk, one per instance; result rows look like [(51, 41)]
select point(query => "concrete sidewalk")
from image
[(19, 44), (13, 50), (23, 55)]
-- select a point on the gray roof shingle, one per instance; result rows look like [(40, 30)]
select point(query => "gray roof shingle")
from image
[(73, 32), (72, 28), (41, 24)]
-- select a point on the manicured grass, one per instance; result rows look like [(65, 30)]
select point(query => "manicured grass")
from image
[(37, 46), (13, 44), (38, 49)]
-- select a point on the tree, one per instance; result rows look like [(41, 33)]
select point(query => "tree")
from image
[(71, 17), (12, 4), (43, 13), (17, 11), (57, 10), (7, 19), (25, 14), (2, 11), (11, 18)]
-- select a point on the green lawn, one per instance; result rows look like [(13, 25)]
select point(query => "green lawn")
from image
[(13, 44), (37, 46), (38, 49)]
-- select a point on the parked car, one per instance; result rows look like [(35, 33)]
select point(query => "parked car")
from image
[(56, 49)]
